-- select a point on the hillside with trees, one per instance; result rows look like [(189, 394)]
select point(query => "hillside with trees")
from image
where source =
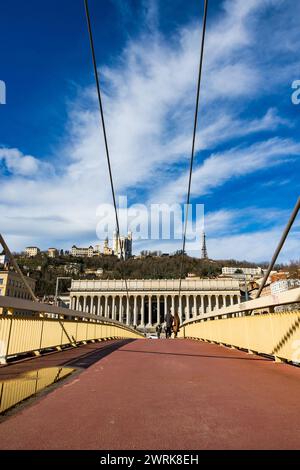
[(45, 270)]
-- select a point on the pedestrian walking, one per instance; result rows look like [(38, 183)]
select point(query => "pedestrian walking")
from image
[(169, 323), (175, 325)]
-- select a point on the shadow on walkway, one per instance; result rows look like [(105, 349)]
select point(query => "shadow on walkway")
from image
[(81, 357), (88, 359), (210, 356)]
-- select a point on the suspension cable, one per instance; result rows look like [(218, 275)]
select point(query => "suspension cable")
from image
[(193, 142), (105, 140)]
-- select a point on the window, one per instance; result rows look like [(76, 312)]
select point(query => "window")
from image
[(1, 281)]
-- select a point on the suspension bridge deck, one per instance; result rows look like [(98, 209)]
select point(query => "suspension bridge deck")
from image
[(158, 394)]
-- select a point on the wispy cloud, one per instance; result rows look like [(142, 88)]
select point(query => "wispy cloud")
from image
[(235, 163)]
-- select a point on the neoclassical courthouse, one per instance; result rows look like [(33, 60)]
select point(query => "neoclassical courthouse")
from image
[(149, 300)]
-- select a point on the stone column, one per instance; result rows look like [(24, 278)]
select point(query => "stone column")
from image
[(105, 307), (121, 309), (158, 309), (117, 308), (113, 307), (135, 311), (84, 304), (173, 304), (143, 310), (187, 307), (166, 304), (231, 300), (180, 308), (150, 310), (202, 304), (195, 313), (127, 311), (209, 303), (99, 305)]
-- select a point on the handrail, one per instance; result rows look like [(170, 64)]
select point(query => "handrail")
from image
[(288, 297)]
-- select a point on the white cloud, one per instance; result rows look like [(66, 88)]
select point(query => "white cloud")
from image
[(255, 246), (22, 165)]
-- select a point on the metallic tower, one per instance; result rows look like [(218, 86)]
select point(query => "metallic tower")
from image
[(204, 249)]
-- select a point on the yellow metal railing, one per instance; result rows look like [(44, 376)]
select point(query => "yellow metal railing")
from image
[(274, 334), (19, 335)]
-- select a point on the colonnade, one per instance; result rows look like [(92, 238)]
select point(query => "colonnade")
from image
[(149, 309)]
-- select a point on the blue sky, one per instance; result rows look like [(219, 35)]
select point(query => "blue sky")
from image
[(53, 172)]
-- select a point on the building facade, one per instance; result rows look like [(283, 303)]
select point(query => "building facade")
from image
[(149, 300), (32, 251), (107, 250), (284, 285), (232, 270), (12, 285), (82, 252), (52, 252)]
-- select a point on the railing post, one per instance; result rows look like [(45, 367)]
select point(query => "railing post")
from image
[(41, 339)]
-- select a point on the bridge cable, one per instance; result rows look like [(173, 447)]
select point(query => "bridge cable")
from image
[(279, 246), (193, 143), (105, 139)]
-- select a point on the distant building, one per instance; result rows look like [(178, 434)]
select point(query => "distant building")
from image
[(284, 285), (236, 270), (192, 275), (11, 285), (277, 276), (96, 272), (122, 246), (82, 252), (52, 252), (4, 261), (106, 248), (150, 299), (32, 251)]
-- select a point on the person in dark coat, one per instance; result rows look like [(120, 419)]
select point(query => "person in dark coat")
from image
[(169, 323)]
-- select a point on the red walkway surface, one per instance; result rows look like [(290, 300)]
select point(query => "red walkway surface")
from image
[(175, 394)]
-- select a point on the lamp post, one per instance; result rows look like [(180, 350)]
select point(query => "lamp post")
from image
[(59, 278)]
